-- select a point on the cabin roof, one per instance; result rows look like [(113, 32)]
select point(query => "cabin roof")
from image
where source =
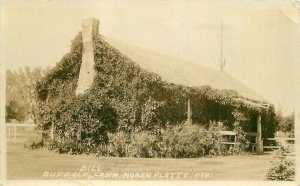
[(185, 73)]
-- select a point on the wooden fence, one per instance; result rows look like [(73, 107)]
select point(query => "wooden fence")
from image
[(12, 130)]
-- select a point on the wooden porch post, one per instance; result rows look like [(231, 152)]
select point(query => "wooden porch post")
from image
[(189, 114), (52, 132), (259, 147)]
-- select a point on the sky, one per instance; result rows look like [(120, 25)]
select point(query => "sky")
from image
[(259, 39)]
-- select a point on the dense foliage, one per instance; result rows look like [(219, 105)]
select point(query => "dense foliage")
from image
[(286, 123), (182, 141), (282, 169), (126, 101), (20, 103)]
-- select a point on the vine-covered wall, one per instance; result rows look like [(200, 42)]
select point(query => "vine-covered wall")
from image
[(125, 97)]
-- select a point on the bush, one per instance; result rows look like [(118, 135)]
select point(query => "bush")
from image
[(79, 125), (35, 145), (241, 141), (117, 145), (140, 145), (186, 141), (282, 169), (182, 141), (217, 148)]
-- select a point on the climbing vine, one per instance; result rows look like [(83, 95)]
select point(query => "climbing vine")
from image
[(125, 97)]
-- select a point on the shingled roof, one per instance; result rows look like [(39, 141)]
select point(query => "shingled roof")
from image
[(182, 72)]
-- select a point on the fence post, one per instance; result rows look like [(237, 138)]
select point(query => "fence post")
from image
[(8, 132), (15, 133), (52, 132)]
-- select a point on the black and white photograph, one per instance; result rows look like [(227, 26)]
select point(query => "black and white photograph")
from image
[(183, 90)]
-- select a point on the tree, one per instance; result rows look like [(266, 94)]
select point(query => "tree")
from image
[(32, 76), (286, 123), (15, 104), (20, 102)]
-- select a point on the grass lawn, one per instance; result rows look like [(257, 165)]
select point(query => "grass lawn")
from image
[(43, 164)]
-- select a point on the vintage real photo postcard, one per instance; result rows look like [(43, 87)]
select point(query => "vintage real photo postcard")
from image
[(179, 91)]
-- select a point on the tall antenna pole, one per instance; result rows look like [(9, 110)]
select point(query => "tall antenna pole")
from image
[(222, 63)]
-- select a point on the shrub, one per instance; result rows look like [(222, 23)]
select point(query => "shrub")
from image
[(241, 141), (217, 148), (282, 169), (140, 145), (79, 125), (186, 141), (117, 145), (182, 141), (35, 145)]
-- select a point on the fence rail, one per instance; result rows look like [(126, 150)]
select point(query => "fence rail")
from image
[(14, 126), (285, 142)]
